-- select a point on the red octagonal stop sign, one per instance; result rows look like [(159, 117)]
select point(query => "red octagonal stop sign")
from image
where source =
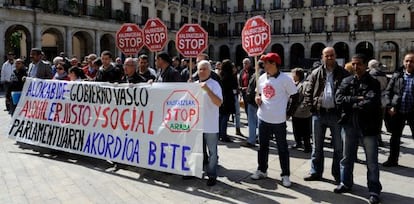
[(155, 34), (191, 40), (256, 36), (129, 39)]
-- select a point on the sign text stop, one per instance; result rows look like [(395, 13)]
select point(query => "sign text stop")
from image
[(155, 34), (191, 40), (256, 36), (129, 39)]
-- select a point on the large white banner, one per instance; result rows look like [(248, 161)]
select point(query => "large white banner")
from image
[(156, 126)]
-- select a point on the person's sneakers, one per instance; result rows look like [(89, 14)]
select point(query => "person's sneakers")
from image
[(258, 175), (286, 181), (211, 181), (296, 146), (312, 177), (341, 188), (374, 199), (390, 163), (247, 144)]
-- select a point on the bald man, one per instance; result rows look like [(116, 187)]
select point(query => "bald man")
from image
[(320, 96)]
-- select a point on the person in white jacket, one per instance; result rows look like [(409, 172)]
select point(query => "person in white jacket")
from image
[(6, 72)]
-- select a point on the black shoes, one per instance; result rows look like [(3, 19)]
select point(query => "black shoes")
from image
[(374, 199), (341, 189), (211, 181), (226, 139), (390, 163), (312, 177), (247, 144), (296, 146)]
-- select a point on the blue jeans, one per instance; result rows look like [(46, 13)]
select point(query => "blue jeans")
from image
[(223, 119), (320, 122), (266, 131), (210, 140), (237, 114), (252, 120), (351, 137)]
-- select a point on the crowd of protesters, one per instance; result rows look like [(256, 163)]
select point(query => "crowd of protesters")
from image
[(351, 101)]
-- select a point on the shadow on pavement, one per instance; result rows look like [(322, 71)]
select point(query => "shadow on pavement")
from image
[(220, 192)]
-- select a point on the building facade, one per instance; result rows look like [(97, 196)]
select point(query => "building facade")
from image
[(381, 29)]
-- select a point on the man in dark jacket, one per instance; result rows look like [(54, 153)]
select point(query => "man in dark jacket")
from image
[(320, 96), (131, 74), (108, 72), (166, 73), (399, 97), (244, 77), (359, 97)]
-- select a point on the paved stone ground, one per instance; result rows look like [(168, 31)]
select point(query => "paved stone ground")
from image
[(38, 176)]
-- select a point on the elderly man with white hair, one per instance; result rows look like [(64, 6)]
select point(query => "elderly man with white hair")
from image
[(213, 100)]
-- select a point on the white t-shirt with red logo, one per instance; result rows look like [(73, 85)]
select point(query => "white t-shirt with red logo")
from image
[(275, 93), (210, 110)]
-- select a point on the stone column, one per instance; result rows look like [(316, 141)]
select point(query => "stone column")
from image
[(98, 42), (2, 33), (69, 36)]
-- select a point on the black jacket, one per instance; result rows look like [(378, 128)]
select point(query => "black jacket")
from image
[(227, 87), (394, 91), (111, 74), (17, 81), (169, 75), (317, 80), (135, 79), (367, 112)]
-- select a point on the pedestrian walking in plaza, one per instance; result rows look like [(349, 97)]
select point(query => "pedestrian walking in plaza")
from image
[(301, 120), (399, 100), (275, 89), (359, 99), (38, 68), (213, 101), (320, 96)]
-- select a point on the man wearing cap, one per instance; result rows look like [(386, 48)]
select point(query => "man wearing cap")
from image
[(274, 90), (320, 96), (6, 72), (166, 73), (39, 69)]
